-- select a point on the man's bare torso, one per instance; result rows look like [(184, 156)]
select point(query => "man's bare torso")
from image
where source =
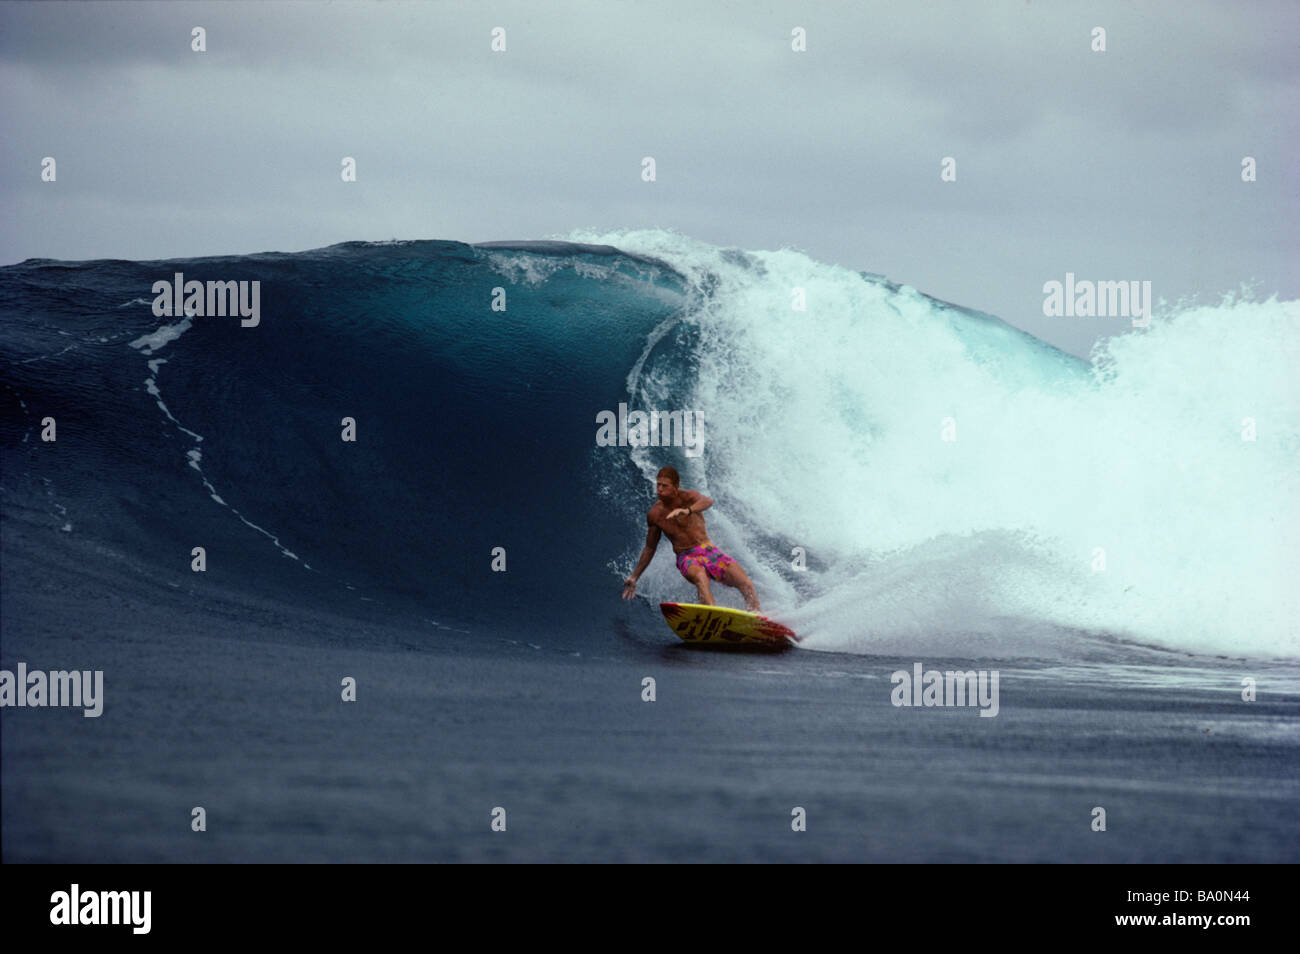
[(683, 532)]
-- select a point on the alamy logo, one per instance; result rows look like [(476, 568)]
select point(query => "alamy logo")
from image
[(952, 688), (1087, 299), (55, 688), (102, 907), (651, 429), (213, 299)]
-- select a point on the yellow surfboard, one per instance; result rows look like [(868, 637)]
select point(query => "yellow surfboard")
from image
[(722, 626)]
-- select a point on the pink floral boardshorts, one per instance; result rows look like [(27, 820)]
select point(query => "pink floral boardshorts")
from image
[(714, 561)]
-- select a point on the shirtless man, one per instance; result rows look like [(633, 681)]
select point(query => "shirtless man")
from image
[(677, 513)]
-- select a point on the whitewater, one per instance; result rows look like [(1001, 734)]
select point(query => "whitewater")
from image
[(1148, 496)]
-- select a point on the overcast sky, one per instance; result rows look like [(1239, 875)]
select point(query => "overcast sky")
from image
[(1117, 165)]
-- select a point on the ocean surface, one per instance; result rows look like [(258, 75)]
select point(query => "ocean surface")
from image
[(397, 477)]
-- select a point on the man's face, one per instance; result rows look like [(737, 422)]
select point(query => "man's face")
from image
[(665, 488)]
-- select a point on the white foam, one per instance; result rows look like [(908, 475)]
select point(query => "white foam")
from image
[(824, 432), (148, 344)]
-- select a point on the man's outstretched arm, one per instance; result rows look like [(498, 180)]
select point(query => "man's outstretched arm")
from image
[(647, 554)]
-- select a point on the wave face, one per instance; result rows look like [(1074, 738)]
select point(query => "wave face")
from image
[(824, 435)]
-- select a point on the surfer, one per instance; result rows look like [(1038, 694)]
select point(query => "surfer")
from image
[(677, 513)]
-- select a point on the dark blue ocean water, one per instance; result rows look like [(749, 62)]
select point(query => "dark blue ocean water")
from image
[(475, 430), (474, 427)]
